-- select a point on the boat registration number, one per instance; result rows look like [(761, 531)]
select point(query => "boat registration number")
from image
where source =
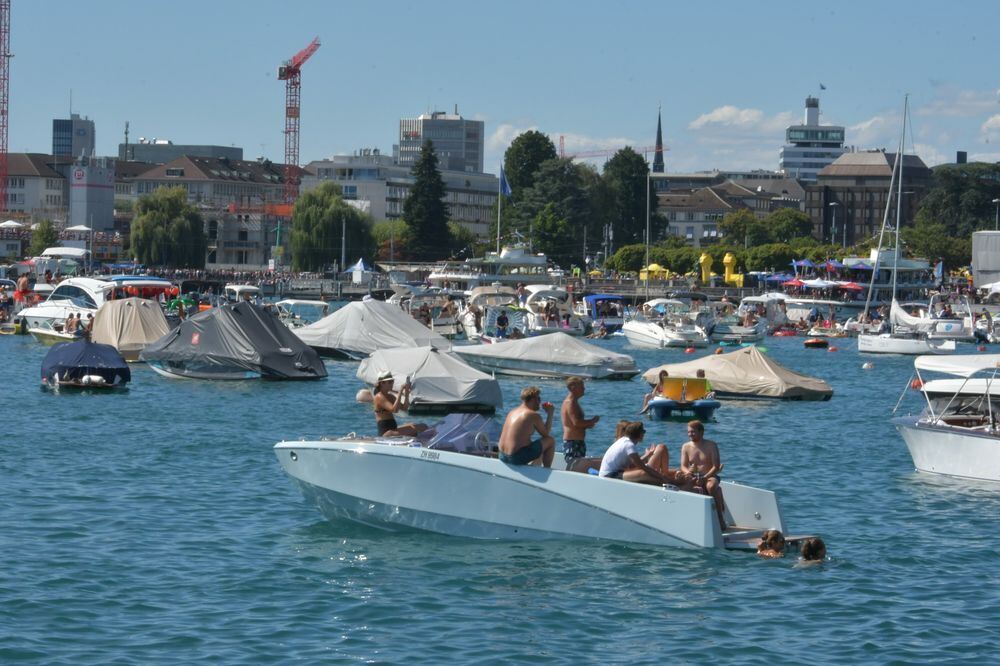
[(430, 455)]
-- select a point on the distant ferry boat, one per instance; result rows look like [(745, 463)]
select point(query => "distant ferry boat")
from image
[(513, 265)]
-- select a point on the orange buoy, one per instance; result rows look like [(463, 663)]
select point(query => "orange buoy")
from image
[(916, 384), (832, 349), (689, 350), (981, 347), (718, 350)]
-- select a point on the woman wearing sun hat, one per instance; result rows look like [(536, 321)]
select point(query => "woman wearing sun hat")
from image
[(388, 403)]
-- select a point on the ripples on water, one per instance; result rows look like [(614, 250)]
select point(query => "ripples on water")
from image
[(157, 526)]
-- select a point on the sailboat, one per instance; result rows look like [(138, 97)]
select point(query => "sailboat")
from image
[(901, 338)]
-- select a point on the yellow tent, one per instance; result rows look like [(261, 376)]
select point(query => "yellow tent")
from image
[(653, 272), (595, 273)]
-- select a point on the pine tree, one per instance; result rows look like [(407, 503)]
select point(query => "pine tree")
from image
[(425, 210)]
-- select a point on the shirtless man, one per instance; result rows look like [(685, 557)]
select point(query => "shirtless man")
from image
[(700, 459), (575, 426), (516, 445)]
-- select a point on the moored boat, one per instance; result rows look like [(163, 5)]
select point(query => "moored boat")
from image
[(554, 355), (84, 365)]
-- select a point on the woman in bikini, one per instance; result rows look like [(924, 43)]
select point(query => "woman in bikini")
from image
[(387, 404)]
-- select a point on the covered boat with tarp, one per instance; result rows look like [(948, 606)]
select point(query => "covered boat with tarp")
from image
[(360, 328), (748, 373), (84, 364), (242, 341), (441, 382), (129, 325), (553, 355)]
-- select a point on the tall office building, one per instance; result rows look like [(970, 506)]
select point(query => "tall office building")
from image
[(810, 146), (73, 136), (458, 142)]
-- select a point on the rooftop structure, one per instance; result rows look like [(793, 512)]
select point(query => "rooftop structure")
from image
[(810, 146), (73, 136), (458, 142)]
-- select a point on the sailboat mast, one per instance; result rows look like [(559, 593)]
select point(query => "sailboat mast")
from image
[(899, 196)]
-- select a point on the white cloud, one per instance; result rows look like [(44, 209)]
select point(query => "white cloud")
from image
[(742, 120), (930, 155), (955, 103), (990, 130), (984, 157), (877, 132), (501, 137)]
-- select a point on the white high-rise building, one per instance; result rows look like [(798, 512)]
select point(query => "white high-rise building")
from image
[(810, 147), (458, 142)]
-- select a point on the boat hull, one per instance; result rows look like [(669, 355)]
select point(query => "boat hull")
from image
[(400, 486), (518, 368), (883, 344), (649, 334), (177, 371), (959, 452)]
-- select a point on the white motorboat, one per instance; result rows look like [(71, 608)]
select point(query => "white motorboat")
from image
[(235, 293), (478, 317), (85, 296), (512, 265), (451, 484), (936, 319), (554, 355), (957, 436), (550, 309), (296, 313), (665, 322), (889, 343), (607, 310)]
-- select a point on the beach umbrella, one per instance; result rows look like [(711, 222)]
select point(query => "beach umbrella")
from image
[(793, 283), (851, 286), (11, 224), (79, 227), (803, 263)]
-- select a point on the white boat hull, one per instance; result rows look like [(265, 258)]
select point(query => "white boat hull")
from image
[(650, 334), (886, 344), (519, 368), (400, 486), (951, 451), (176, 371)]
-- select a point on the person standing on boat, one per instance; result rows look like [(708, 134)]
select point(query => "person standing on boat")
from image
[(387, 404), (574, 424), (700, 459), (502, 323), (522, 294), (516, 445)]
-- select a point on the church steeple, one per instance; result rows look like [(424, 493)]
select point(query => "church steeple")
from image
[(658, 158)]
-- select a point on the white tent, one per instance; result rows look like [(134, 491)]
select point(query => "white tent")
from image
[(441, 381), (11, 224), (66, 252), (360, 328)]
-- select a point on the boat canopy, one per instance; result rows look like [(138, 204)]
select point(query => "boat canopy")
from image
[(440, 380), (747, 373), (362, 327), (129, 324), (75, 360), (594, 298), (546, 350), (245, 336), (963, 365)]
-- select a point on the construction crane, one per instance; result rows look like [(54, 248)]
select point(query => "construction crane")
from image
[(604, 152), (4, 95), (291, 74)]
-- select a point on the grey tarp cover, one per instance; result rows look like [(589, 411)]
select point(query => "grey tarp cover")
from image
[(438, 378), (245, 336), (359, 328), (747, 373), (549, 349), (129, 324)]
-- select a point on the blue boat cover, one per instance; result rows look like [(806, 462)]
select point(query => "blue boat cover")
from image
[(74, 360)]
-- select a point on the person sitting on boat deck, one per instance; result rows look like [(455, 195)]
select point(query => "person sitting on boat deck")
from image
[(424, 314), (622, 461), (654, 391), (813, 550), (502, 323), (549, 313), (516, 445), (700, 459), (575, 425), (387, 404), (449, 309), (700, 374), (772, 544), (600, 332), (477, 316), (516, 334)]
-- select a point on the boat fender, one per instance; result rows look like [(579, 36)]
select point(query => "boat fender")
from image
[(832, 349), (92, 379), (867, 365), (718, 350), (916, 384), (689, 350), (981, 348)]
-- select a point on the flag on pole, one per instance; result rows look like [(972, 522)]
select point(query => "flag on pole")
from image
[(504, 185)]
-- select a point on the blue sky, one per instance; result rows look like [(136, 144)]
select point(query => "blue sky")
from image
[(730, 76)]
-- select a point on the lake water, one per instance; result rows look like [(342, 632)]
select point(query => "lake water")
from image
[(156, 526)]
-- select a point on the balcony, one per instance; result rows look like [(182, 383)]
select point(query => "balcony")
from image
[(241, 245)]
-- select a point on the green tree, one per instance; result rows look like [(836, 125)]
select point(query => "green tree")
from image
[(770, 257), (628, 258), (524, 157), (556, 210), (391, 239), (931, 241), (319, 220), (463, 242), (741, 227), (425, 210), (45, 236), (168, 231), (788, 223), (961, 198), (626, 175)]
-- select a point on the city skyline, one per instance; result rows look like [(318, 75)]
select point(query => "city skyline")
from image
[(728, 87)]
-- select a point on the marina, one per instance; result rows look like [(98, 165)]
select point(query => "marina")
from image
[(191, 541)]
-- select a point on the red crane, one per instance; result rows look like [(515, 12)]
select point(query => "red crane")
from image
[(4, 95), (291, 74)]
